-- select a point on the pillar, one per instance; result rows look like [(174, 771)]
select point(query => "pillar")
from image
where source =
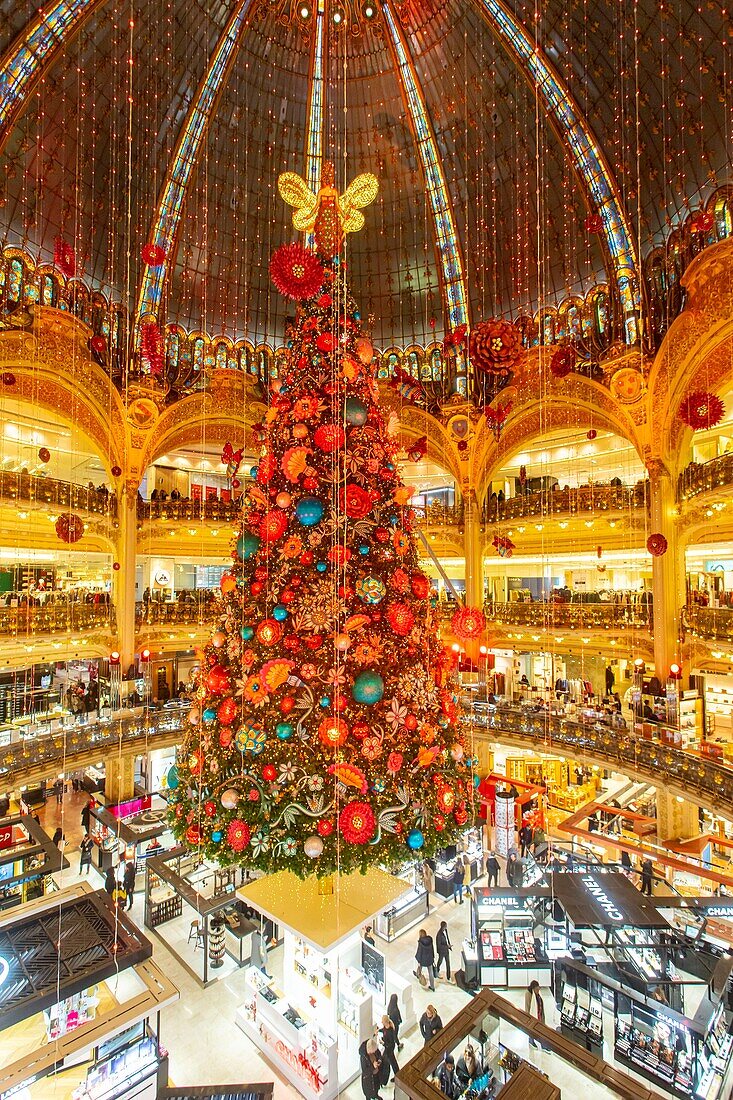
[(677, 819), (124, 589), (667, 571), (119, 784), (473, 547)]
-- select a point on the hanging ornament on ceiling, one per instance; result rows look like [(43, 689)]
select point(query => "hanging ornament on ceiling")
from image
[(296, 272), (151, 345), (231, 459), (522, 476), (591, 434), (503, 546), (98, 348), (701, 410), (563, 361), (44, 454), (593, 223), (656, 544), (64, 258), (69, 527), (703, 222), (154, 255), (406, 387), (497, 417), (495, 347), (417, 449)]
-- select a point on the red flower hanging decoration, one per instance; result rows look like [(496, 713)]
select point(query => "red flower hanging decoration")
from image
[(64, 258), (401, 618), (296, 272), (656, 544), (356, 822), (495, 346), (497, 417), (153, 255), (593, 223), (563, 361), (238, 835), (151, 346), (69, 527), (701, 410), (703, 222), (468, 623), (355, 501)]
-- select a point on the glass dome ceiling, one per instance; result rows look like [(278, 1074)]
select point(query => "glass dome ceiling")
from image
[(485, 187)]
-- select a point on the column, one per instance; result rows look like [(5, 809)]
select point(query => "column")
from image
[(124, 589), (119, 784), (473, 549), (666, 571), (677, 819)]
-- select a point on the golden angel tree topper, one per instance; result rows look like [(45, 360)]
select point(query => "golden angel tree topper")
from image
[(323, 729)]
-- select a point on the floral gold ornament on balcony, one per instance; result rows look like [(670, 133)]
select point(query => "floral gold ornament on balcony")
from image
[(495, 347), (324, 658), (497, 417), (563, 361), (656, 544), (701, 410), (69, 527), (468, 623)]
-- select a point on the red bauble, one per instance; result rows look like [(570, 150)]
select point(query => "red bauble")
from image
[(306, 558), (656, 544), (226, 711), (357, 823), (468, 623), (381, 534), (291, 643), (269, 773), (296, 272), (591, 433), (329, 437), (273, 525), (69, 527), (333, 732), (360, 730), (116, 566), (310, 482), (238, 835), (401, 618), (44, 454), (324, 827), (98, 346), (325, 301), (210, 809), (218, 681), (286, 704), (260, 573), (420, 585), (314, 641), (438, 823), (410, 722), (256, 587), (116, 471), (153, 255), (495, 346), (461, 814), (325, 342), (701, 410), (563, 361)]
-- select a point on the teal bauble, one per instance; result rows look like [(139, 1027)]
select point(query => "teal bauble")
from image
[(253, 471), (321, 566), (324, 701), (363, 550), (280, 612), (172, 778), (415, 839), (309, 511), (209, 715), (217, 835), (284, 730), (356, 412), (368, 688), (247, 545), (247, 632)]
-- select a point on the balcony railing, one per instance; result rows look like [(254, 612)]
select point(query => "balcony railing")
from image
[(710, 782), (588, 498), (570, 616), (701, 477), (201, 611), (715, 623), (56, 618), (44, 755), (439, 515), (216, 511), (59, 495)]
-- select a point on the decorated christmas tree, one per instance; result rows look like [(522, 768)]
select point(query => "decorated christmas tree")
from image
[(322, 734)]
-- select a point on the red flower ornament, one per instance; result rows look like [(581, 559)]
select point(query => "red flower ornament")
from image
[(562, 362), (296, 272), (656, 544), (238, 835), (355, 501), (468, 623), (357, 823), (495, 346), (701, 410)]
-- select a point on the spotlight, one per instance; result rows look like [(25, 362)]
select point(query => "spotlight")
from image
[(369, 11), (338, 16), (304, 12), (675, 672), (145, 655)]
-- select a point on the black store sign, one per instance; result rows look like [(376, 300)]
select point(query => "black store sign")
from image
[(609, 900)]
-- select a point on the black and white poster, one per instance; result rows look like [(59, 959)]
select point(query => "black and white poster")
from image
[(373, 965)]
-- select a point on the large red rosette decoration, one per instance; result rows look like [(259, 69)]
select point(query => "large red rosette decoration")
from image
[(701, 410), (238, 835), (296, 272), (656, 544), (468, 623), (357, 823), (69, 527), (495, 346), (563, 361), (355, 501)]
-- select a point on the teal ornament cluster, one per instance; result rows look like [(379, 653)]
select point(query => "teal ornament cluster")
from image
[(356, 412), (368, 688), (415, 839), (309, 511), (247, 545)]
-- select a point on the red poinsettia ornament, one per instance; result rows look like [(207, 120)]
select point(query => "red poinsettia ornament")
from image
[(357, 823), (656, 544), (563, 361), (495, 346), (296, 272), (701, 410), (64, 258), (468, 623), (69, 527), (153, 255)]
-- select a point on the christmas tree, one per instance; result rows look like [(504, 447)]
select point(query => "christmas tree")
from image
[(322, 734)]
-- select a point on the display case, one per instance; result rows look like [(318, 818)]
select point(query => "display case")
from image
[(656, 1044), (134, 1071), (508, 952), (714, 1059), (719, 705), (408, 910), (162, 903), (470, 849), (581, 1016)]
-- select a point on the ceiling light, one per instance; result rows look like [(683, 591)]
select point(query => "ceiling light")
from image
[(338, 17), (369, 11), (305, 12)]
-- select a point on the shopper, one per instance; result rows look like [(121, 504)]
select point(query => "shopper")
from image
[(85, 853), (393, 1011), (458, 878), (513, 870), (430, 1024), (370, 1063), (534, 1005), (443, 947), (389, 1042), (647, 874), (425, 957), (86, 814), (626, 864), (58, 790), (492, 869), (525, 839), (447, 1078), (258, 951), (58, 837), (469, 1067), (128, 882), (110, 881)]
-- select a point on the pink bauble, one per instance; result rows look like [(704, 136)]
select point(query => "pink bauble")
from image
[(194, 716)]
